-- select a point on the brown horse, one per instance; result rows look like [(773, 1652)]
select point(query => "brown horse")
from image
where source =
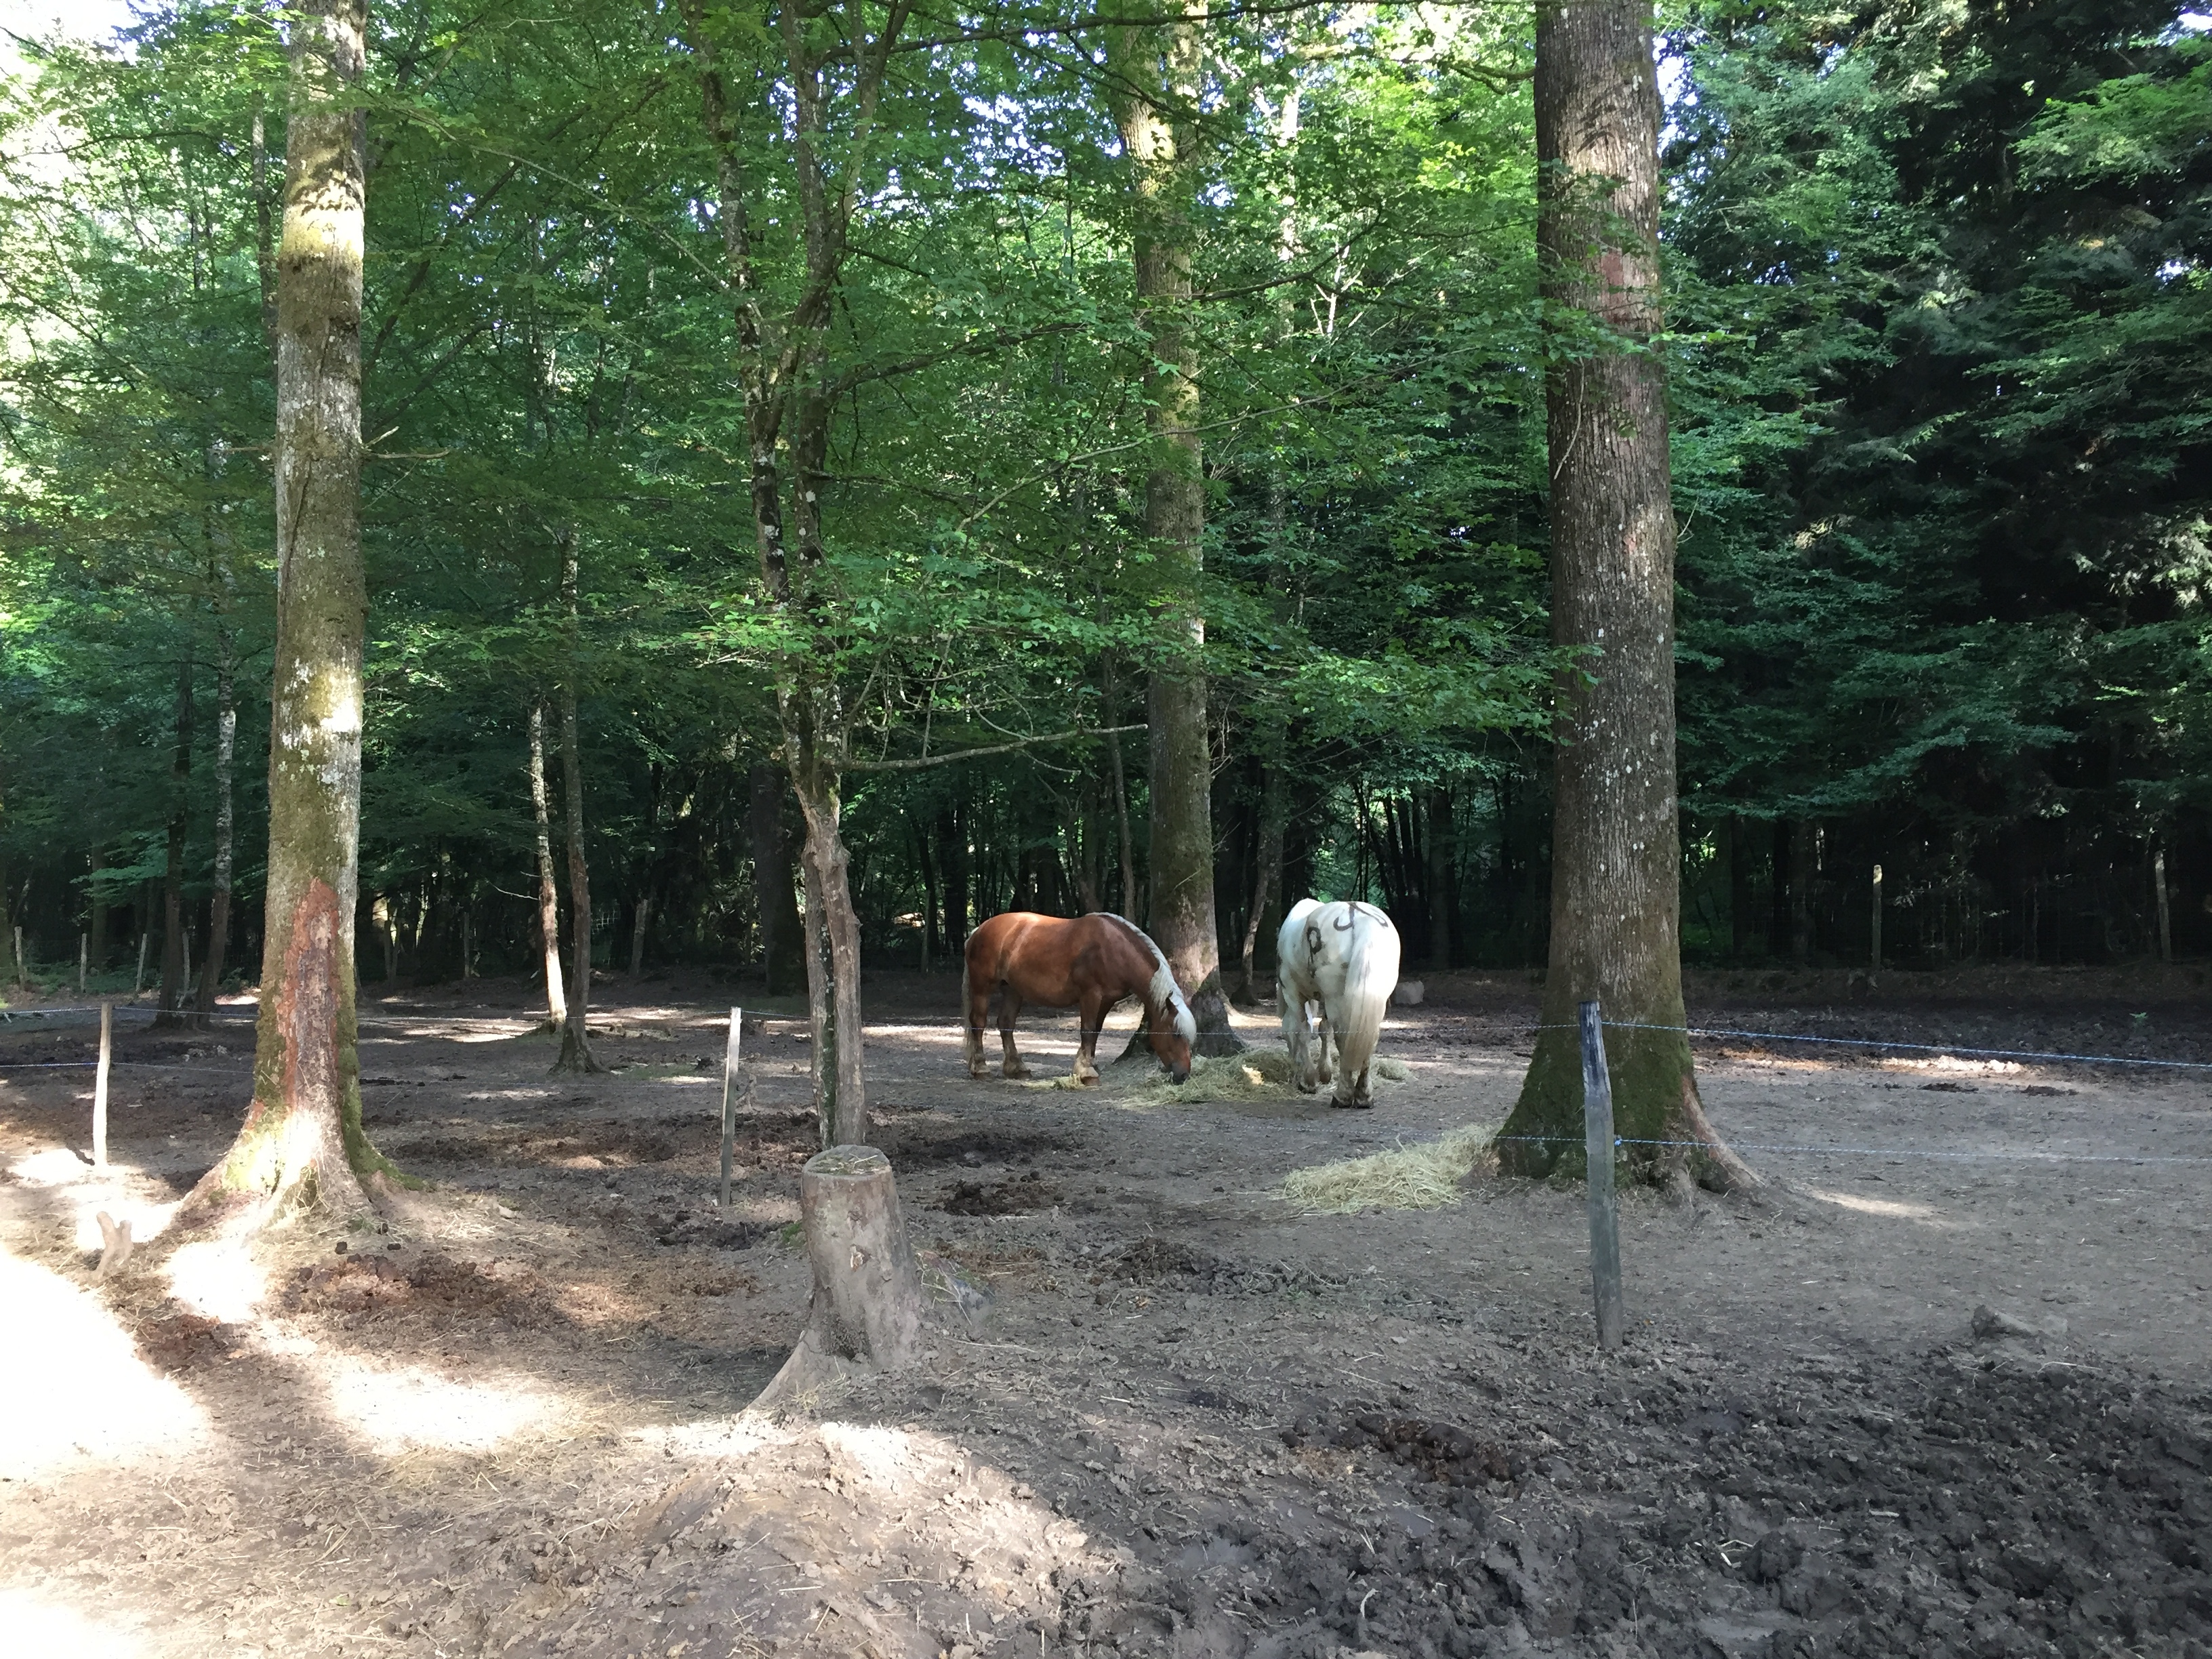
[(1095, 963)]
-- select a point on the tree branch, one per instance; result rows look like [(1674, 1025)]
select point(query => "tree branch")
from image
[(923, 762)]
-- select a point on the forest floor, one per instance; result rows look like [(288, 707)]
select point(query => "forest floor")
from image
[(1198, 1423)]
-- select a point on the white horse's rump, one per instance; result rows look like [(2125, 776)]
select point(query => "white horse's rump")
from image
[(1344, 957)]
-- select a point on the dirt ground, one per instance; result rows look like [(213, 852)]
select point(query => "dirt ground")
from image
[(1199, 1422)]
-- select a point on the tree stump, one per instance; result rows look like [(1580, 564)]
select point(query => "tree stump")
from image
[(867, 1307)]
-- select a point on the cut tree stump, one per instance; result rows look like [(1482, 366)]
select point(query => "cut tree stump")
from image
[(867, 1309), (115, 1244)]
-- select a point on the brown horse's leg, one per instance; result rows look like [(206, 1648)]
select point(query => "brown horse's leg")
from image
[(977, 1010), (1323, 1071), (1009, 1005), (1091, 1011)]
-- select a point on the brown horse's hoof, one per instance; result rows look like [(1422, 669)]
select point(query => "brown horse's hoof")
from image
[(1084, 1079), (1351, 1105), (979, 1069), (1014, 1071)]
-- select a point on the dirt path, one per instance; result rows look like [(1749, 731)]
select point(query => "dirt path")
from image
[(1200, 1421)]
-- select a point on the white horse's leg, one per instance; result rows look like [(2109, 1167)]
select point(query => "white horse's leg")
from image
[(1296, 1037)]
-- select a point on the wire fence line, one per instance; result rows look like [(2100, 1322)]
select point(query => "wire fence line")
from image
[(1885, 1042), (1822, 1150)]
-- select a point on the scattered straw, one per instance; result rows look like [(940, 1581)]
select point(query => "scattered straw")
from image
[(1422, 1177)]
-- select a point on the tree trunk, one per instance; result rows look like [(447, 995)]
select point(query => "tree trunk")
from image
[(1778, 908), (575, 1031), (1124, 840), (1741, 901), (1616, 879), (302, 1144), (833, 963), (950, 827), (1442, 891), (774, 893), (98, 930), (174, 961), (788, 411), (1159, 71), (226, 745), (548, 890), (1803, 848), (638, 924), (1274, 804)]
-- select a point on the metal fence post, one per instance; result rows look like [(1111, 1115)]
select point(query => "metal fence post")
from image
[(1598, 1146)]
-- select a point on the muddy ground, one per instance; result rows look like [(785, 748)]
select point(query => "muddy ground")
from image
[(1198, 1423)]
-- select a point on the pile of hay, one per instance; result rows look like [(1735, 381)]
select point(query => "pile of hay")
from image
[(1422, 1177), (1255, 1076)]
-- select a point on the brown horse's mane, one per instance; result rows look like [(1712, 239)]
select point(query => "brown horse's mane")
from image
[(1163, 991)]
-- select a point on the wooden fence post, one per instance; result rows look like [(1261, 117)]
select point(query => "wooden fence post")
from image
[(99, 1086), (1598, 1148), (730, 1099), (1874, 957)]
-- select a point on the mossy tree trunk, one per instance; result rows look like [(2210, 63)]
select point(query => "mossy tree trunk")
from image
[(1157, 76), (1616, 894), (303, 1144)]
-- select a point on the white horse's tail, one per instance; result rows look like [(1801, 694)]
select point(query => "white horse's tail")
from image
[(1371, 975)]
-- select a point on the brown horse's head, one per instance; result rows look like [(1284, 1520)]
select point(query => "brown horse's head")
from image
[(1169, 1023)]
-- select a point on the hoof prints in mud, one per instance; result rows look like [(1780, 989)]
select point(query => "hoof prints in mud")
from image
[(1436, 1451), (1024, 1196), (177, 1341), (1944, 1511), (1156, 1261), (360, 1284), (708, 1231), (915, 1147)]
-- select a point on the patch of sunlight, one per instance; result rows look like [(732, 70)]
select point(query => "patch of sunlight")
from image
[(217, 1280), (89, 1394), (49, 1166), (723, 1437), (40, 1629), (1953, 1066), (1425, 1176), (1897, 1209), (405, 1408)]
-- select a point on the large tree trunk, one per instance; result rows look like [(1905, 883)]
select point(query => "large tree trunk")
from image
[(174, 965), (575, 1030), (226, 745), (548, 887), (302, 1144), (1616, 882), (1157, 73), (775, 894)]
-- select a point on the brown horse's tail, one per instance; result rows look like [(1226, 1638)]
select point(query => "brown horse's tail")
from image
[(971, 1033)]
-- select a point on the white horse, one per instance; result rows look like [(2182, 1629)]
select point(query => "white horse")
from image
[(1344, 957)]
